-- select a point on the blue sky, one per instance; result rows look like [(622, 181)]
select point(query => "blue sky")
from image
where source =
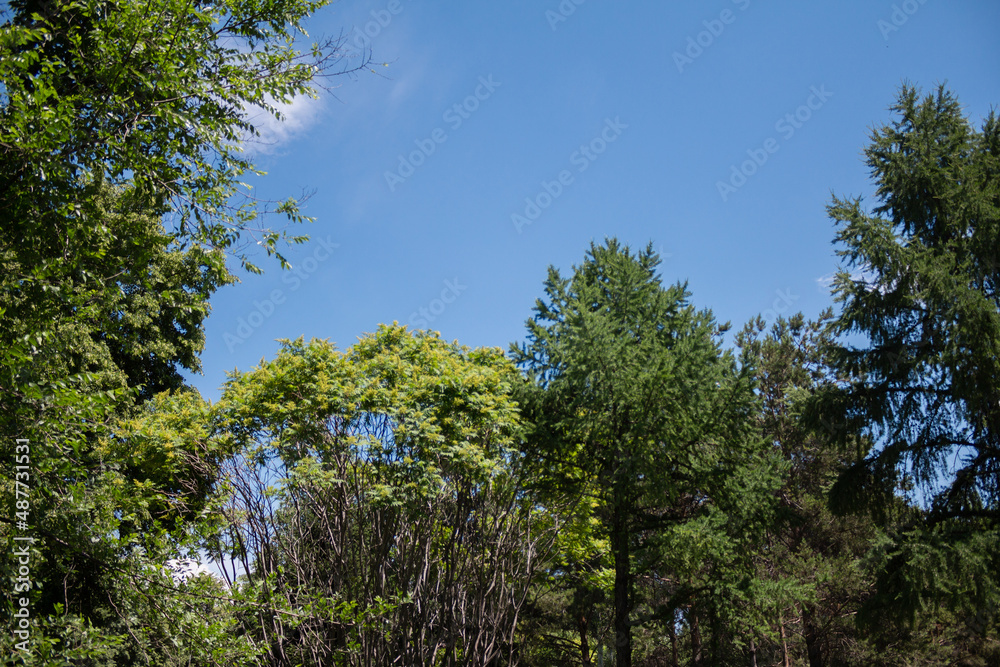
[(505, 137)]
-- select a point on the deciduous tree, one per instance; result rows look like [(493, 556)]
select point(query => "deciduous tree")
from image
[(122, 127), (376, 502)]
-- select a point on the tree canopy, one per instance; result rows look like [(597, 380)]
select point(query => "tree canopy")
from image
[(919, 299), (620, 488), (631, 389), (123, 129), (920, 286)]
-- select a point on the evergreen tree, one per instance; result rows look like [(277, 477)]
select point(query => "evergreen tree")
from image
[(818, 556), (629, 389), (920, 325)]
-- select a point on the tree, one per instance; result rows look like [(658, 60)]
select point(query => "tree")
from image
[(629, 388), (375, 502), (121, 132), (818, 562), (566, 619), (121, 144), (920, 300), (926, 297), (121, 152), (104, 329), (125, 304), (155, 96)]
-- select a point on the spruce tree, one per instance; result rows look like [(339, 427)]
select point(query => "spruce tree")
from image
[(920, 353), (630, 387)]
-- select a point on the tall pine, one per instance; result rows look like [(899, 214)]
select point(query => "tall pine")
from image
[(920, 351), (630, 389)]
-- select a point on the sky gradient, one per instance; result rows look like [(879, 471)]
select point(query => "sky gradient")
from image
[(504, 137)]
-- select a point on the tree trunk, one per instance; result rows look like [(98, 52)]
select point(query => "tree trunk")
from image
[(581, 624), (695, 639), (814, 648), (716, 638), (623, 576), (784, 643)]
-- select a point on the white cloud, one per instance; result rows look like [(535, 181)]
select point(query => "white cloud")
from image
[(296, 117), (823, 283)]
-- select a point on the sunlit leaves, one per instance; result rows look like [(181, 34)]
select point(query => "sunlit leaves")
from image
[(377, 494)]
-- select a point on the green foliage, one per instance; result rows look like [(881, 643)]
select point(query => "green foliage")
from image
[(119, 301), (156, 96), (817, 563), (925, 298), (110, 318), (121, 132), (638, 490), (375, 501), (632, 399), (921, 382)]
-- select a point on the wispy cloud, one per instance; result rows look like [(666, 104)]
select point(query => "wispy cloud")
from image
[(297, 116), (825, 283), (414, 80)]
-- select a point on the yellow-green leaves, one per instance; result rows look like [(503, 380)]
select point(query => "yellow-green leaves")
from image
[(375, 495), (410, 404)]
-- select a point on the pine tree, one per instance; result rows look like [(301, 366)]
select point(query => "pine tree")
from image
[(630, 389), (920, 351)]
